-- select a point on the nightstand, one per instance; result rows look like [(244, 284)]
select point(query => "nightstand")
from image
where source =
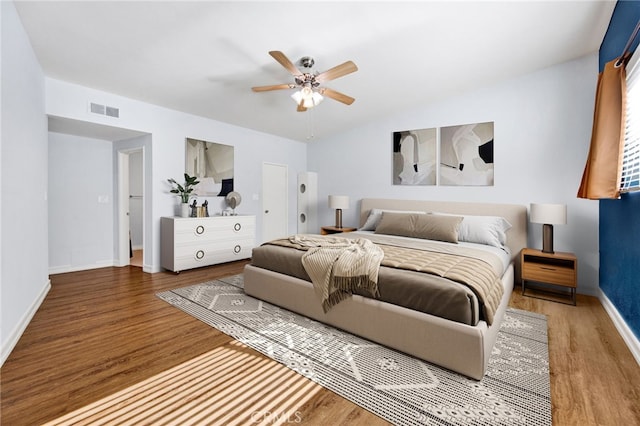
[(328, 230), (558, 269)]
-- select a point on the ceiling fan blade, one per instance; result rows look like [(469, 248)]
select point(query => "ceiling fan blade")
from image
[(334, 94), (301, 108), (337, 71), (273, 87), (285, 62)]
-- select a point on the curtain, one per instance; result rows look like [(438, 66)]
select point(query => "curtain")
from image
[(601, 177)]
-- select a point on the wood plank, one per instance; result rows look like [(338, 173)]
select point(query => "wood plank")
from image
[(102, 331)]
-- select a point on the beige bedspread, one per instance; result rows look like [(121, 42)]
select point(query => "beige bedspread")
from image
[(338, 266), (480, 271)]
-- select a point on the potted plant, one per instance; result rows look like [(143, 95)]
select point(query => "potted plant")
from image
[(184, 191)]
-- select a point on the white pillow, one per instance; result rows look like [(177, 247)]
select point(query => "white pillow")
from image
[(488, 230), (375, 216)]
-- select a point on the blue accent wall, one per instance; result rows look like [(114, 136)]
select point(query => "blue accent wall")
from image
[(620, 219)]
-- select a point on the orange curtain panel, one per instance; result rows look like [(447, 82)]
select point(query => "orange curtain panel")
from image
[(601, 177)]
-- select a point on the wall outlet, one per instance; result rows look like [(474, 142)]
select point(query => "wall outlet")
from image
[(103, 199)]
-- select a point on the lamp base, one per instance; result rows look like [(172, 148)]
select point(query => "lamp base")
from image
[(547, 238), (338, 218)]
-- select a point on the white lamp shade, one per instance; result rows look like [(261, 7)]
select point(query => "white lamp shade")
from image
[(338, 201), (552, 214), (308, 100)]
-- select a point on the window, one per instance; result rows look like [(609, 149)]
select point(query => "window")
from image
[(631, 157)]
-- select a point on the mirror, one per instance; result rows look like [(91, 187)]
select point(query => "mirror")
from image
[(212, 163)]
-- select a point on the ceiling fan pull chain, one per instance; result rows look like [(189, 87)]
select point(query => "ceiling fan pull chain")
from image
[(310, 124)]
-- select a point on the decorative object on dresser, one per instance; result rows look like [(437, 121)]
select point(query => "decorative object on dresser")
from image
[(548, 215), (199, 211), (233, 200), (558, 269), (184, 191), (188, 243), (338, 202)]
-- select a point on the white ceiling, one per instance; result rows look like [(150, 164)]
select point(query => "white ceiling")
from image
[(203, 57)]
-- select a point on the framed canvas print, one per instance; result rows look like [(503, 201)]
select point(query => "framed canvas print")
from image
[(414, 157), (466, 154), (212, 164)]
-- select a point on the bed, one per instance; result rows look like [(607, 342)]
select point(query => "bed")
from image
[(457, 338)]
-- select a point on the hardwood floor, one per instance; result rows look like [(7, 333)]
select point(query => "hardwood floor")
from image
[(101, 331)]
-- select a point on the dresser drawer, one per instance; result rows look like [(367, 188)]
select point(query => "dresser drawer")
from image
[(193, 256), (203, 229)]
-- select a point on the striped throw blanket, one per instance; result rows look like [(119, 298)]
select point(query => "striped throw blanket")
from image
[(339, 266)]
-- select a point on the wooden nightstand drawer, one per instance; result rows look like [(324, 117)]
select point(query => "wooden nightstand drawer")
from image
[(328, 230), (558, 269), (548, 274)]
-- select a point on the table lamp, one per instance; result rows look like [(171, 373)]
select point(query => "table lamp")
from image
[(338, 202), (548, 215)]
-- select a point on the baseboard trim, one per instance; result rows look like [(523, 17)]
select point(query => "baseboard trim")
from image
[(68, 268), (627, 335), (12, 341)]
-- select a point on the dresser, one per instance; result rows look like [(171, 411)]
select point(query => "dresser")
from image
[(193, 242)]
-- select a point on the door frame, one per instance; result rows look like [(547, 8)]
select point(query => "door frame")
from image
[(123, 239)]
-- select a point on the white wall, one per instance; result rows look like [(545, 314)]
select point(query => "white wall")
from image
[(23, 225), (542, 132), (168, 130), (81, 197)]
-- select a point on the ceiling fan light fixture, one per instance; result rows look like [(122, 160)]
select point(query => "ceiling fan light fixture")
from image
[(307, 97)]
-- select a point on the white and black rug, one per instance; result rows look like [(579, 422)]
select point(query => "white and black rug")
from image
[(390, 384)]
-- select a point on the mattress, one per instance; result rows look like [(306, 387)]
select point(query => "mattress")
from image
[(414, 290)]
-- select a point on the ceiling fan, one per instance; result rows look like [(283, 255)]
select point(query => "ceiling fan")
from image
[(308, 82)]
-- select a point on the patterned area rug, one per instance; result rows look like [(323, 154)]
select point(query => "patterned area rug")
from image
[(390, 384)]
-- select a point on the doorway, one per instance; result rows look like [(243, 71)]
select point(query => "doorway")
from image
[(130, 207)]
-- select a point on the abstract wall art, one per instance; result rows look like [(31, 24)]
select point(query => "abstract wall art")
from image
[(414, 157), (466, 155)]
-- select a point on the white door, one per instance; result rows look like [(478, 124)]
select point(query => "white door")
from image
[(275, 203), (123, 209)]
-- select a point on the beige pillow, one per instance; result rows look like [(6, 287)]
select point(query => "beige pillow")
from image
[(375, 215), (429, 227)]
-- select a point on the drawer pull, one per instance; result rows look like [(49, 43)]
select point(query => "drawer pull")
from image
[(237, 227), (546, 268), (200, 230), (199, 255), (237, 249)]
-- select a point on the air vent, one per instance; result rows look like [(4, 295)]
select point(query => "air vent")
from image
[(104, 110), (113, 112)]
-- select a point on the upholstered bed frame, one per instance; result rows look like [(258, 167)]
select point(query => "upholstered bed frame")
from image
[(459, 347)]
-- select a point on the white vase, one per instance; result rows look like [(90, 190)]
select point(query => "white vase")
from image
[(184, 210)]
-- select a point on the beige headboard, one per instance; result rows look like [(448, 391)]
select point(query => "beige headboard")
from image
[(515, 214)]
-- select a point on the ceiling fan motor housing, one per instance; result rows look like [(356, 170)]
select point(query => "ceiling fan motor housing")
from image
[(306, 62)]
